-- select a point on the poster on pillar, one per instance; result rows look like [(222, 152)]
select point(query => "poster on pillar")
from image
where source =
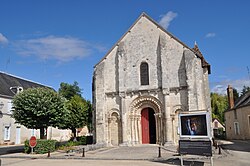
[(194, 125)]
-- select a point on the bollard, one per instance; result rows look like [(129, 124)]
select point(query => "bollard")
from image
[(83, 152), (219, 149), (0, 162), (49, 153), (159, 155)]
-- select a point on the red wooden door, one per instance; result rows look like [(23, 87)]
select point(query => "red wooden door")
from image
[(145, 126)]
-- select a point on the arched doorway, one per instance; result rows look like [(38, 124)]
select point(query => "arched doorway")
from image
[(148, 126)]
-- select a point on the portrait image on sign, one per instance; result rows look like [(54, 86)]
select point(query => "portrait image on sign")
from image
[(194, 125)]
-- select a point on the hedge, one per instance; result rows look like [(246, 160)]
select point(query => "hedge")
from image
[(42, 146)]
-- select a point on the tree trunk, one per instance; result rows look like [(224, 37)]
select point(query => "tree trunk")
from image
[(74, 132), (42, 135)]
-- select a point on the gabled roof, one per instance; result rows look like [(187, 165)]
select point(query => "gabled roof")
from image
[(9, 84), (194, 50), (218, 121), (243, 101)]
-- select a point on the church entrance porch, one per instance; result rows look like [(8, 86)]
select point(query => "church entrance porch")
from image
[(145, 124), (148, 126)]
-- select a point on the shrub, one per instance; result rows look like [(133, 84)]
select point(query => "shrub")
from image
[(43, 146), (81, 140), (27, 148)]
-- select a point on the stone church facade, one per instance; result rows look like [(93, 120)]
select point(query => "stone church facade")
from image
[(141, 85)]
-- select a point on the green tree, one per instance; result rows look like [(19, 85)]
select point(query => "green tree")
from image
[(245, 90), (89, 116), (219, 104), (68, 90), (79, 110), (76, 116), (235, 94), (38, 108)]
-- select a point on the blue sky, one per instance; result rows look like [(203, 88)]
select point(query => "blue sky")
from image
[(54, 41)]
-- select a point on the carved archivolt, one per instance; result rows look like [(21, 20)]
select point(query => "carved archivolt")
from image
[(146, 101)]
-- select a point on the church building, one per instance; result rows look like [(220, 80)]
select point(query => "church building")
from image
[(142, 84)]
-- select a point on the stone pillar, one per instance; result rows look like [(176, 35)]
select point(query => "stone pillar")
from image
[(139, 129), (159, 129), (109, 131), (123, 119), (135, 130), (167, 109), (132, 129)]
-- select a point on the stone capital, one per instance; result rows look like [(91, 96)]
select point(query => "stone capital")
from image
[(166, 91)]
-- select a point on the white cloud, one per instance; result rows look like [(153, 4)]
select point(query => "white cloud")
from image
[(167, 18), (221, 87), (210, 35), (3, 39), (58, 48)]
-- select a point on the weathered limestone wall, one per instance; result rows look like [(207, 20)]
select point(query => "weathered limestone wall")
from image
[(177, 81), (242, 118)]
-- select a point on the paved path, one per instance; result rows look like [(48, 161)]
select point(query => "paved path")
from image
[(135, 155), (60, 162), (236, 154)]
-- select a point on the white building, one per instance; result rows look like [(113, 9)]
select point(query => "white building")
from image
[(141, 85), (10, 132)]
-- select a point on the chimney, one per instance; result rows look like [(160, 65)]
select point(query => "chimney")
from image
[(230, 96)]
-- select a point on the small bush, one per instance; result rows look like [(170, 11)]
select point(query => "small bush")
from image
[(43, 146), (27, 148), (71, 143), (81, 140)]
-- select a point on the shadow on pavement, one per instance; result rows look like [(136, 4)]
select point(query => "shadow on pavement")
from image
[(11, 149), (237, 145), (176, 161)]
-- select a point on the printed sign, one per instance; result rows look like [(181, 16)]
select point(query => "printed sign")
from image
[(195, 147)]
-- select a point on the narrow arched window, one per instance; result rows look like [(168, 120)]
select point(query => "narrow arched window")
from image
[(144, 73)]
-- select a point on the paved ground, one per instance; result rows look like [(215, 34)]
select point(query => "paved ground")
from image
[(236, 153), (47, 162), (11, 149)]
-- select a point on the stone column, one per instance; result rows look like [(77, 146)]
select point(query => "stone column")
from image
[(132, 129), (109, 131), (159, 136), (137, 129), (167, 109), (123, 119)]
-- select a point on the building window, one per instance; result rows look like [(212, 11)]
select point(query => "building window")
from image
[(33, 132), (7, 133), (236, 128), (144, 74), (10, 105)]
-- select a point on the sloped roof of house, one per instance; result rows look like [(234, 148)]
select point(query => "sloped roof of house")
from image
[(243, 101), (9, 84), (195, 49)]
